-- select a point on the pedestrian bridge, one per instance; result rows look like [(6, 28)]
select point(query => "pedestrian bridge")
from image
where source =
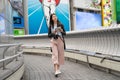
[(90, 55)]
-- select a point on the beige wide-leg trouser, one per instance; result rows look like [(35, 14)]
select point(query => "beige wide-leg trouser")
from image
[(57, 51)]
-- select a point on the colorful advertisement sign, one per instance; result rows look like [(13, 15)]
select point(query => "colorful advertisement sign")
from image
[(106, 13), (18, 20), (87, 4), (18, 32), (2, 24), (96, 4), (118, 11), (113, 11), (87, 20), (39, 13)]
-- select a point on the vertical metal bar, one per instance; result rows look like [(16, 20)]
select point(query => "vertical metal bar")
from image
[(20, 49), (4, 56), (89, 65), (16, 49)]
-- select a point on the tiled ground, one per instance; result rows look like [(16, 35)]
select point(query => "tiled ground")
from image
[(41, 68)]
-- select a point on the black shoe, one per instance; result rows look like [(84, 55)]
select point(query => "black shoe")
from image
[(56, 75)]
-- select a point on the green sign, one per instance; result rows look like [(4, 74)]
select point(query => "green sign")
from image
[(18, 32), (118, 11), (114, 10)]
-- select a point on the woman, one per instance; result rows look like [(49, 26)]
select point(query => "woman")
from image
[(56, 33)]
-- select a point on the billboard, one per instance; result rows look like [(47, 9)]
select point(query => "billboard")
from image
[(118, 11), (89, 4), (18, 20), (2, 24), (113, 11), (106, 13), (18, 32), (39, 12), (87, 20)]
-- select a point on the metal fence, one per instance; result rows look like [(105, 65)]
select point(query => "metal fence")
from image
[(104, 41)]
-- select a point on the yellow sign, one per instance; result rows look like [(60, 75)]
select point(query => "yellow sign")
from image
[(106, 13)]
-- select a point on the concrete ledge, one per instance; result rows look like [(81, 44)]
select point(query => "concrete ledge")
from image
[(37, 50), (107, 65), (17, 75), (76, 56), (13, 70)]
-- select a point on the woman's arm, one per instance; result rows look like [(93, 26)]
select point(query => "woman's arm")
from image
[(63, 32)]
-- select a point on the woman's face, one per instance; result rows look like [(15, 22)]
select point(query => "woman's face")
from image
[(54, 18)]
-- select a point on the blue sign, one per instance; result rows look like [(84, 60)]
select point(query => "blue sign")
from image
[(18, 22), (86, 20)]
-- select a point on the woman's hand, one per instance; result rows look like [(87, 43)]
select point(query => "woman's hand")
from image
[(60, 29), (54, 32)]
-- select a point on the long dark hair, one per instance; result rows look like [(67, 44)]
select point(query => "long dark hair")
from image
[(51, 24)]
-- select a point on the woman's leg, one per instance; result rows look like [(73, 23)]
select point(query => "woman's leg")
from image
[(54, 54), (60, 52), (55, 58), (56, 67), (59, 69)]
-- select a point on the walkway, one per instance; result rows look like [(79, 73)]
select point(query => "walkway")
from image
[(41, 68)]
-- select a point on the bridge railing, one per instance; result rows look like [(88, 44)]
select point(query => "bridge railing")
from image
[(103, 41), (6, 55)]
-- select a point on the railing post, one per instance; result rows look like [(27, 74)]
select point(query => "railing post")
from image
[(4, 56), (16, 50)]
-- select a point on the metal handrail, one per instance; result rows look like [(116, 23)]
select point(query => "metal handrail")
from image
[(10, 57), (7, 46), (73, 32)]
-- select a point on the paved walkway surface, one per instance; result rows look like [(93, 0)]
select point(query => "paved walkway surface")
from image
[(41, 68)]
